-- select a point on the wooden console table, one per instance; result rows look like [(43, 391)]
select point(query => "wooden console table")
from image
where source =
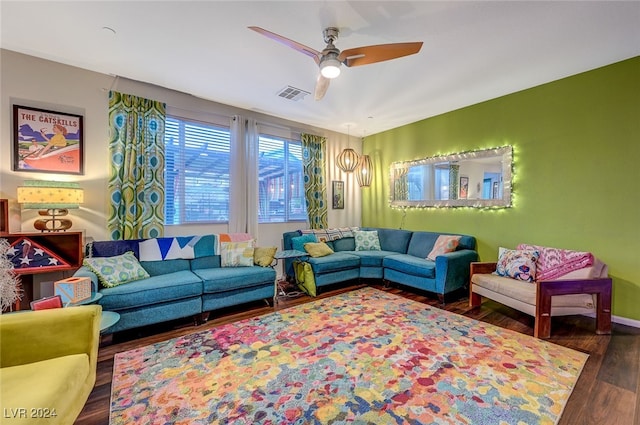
[(66, 245)]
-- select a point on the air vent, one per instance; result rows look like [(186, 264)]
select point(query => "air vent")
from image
[(292, 93)]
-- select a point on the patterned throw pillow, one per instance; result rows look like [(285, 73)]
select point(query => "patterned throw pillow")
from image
[(367, 240), (114, 271), (444, 244), (299, 241), (517, 264), (264, 256), (236, 254), (317, 249)]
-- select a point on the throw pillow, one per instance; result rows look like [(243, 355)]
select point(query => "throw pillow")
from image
[(517, 264), (317, 249), (367, 240), (114, 271), (236, 254), (264, 256), (299, 241), (444, 244)]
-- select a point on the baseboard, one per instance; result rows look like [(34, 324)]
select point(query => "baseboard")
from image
[(621, 320)]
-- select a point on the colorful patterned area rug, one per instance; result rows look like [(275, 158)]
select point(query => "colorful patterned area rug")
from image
[(363, 357)]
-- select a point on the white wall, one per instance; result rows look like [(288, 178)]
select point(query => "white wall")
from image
[(30, 81)]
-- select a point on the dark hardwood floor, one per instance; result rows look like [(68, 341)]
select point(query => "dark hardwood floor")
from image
[(607, 393)]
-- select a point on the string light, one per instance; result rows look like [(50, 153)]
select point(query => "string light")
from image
[(399, 169)]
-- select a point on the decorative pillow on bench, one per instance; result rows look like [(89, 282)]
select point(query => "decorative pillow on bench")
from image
[(517, 263)]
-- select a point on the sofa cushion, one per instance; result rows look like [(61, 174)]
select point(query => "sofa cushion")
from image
[(409, 264), (155, 268), (526, 292), (334, 262), (229, 278), (367, 240), (422, 243), (344, 244), (114, 271), (42, 384), (208, 262), (153, 290), (298, 242), (395, 240), (372, 258)]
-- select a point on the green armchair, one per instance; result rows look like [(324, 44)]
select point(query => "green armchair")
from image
[(48, 362)]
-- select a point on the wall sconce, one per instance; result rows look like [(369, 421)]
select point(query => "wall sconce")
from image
[(53, 199), (363, 172)]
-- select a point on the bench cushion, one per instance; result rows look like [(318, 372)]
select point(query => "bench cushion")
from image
[(526, 292)]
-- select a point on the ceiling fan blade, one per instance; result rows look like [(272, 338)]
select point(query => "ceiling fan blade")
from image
[(378, 53), (314, 54), (322, 84)]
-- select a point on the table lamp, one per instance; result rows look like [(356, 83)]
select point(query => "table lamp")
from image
[(53, 199)]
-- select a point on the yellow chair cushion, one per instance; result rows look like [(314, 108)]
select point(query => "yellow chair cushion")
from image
[(46, 392)]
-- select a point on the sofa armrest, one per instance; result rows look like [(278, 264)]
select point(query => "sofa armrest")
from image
[(452, 270), (33, 336), (482, 267), (85, 272)]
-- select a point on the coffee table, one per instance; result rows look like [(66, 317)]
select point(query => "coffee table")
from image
[(108, 319)]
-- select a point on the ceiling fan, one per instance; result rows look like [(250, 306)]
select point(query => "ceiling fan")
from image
[(330, 59)]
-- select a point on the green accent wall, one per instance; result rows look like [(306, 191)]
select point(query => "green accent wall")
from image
[(577, 173)]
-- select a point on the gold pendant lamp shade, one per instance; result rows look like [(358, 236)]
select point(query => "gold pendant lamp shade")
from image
[(364, 171), (347, 161)]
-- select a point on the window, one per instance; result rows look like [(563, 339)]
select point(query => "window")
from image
[(197, 162), (280, 180)]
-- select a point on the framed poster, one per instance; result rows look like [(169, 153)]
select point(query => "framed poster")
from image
[(464, 188), (338, 195), (47, 141)]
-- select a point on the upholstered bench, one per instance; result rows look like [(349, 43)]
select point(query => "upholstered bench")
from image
[(586, 290)]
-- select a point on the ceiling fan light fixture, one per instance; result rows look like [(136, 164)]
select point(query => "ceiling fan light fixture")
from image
[(330, 67)]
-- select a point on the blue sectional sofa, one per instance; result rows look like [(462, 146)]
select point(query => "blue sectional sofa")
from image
[(401, 259), (176, 288)]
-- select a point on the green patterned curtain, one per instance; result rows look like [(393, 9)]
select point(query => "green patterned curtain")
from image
[(136, 184), (315, 189), (454, 171)]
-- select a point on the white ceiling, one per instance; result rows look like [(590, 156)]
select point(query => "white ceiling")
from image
[(473, 51)]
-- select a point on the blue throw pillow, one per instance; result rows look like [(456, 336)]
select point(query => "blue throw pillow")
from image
[(299, 241)]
